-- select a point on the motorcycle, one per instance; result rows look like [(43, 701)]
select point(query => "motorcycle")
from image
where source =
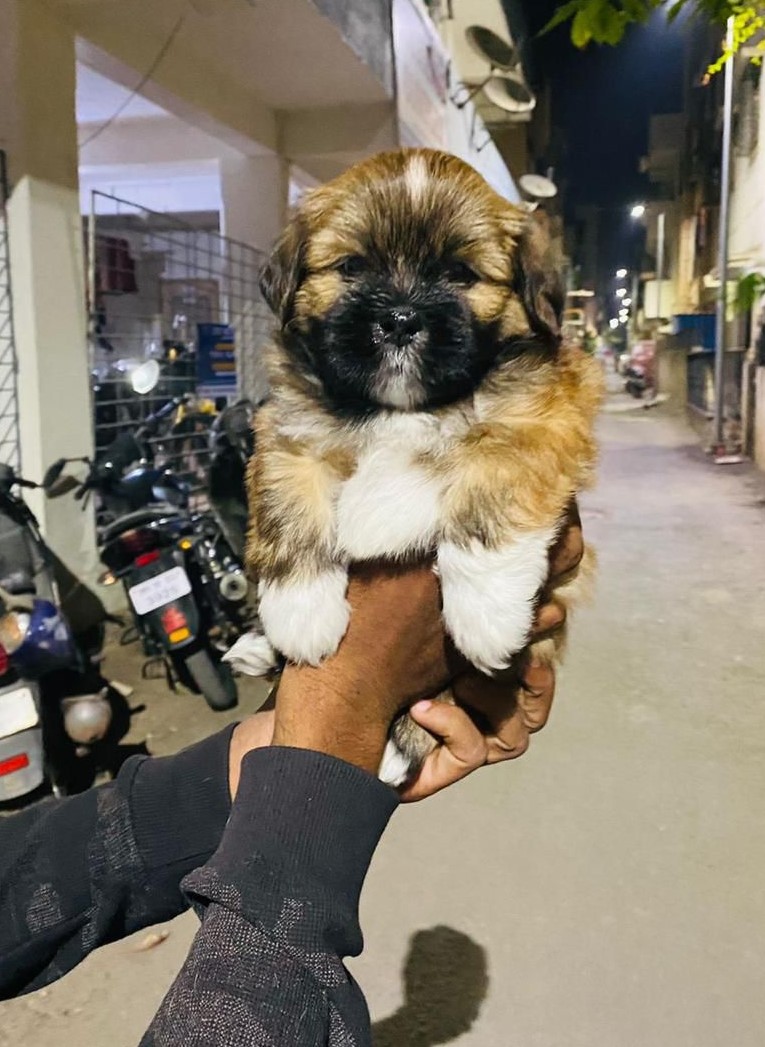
[(186, 588), (232, 444), (55, 706), (637, 381)]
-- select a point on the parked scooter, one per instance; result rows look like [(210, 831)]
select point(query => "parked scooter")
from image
[(54, 703), (186, 588), (637, 382)]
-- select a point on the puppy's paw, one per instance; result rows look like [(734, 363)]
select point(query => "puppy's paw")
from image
[(408, 747), (252, 654), (306, 620), (489, 596)]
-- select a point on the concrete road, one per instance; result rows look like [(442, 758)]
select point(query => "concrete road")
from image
[(607, 889)]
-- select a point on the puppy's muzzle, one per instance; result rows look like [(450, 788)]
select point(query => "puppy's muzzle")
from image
[(399, 325)]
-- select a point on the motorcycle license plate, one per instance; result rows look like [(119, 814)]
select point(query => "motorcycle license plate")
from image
[(163, 588), (18, 711)]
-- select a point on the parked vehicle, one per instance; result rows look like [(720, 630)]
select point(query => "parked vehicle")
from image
[(186, 587), (636, 381), (231, 446), (639, 370), (54, 703)]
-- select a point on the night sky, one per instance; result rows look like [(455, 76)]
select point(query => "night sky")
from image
[(602, 100)]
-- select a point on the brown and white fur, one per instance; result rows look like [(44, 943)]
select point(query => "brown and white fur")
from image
[(463, 437)]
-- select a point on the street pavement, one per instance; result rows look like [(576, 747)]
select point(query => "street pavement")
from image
[(606, 890)]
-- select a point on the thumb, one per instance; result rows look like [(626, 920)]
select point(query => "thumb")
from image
[(460, 737)]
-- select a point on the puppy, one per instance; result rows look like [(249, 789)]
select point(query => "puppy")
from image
[(422, 404)]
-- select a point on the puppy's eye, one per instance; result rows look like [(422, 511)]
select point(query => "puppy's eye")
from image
[(353, 265), (460, 273)]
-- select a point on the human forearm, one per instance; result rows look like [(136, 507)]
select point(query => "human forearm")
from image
[(279, 908), (80, 872)]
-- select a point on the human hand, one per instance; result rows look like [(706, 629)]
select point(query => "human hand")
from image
[(497, 716), (394, 652)]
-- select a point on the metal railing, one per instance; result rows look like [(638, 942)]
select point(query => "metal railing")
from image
[(176, 291), (10, 447)]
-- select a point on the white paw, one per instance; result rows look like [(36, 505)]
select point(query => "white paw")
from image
[(251, 654), (489, 594), (395, 768), (306, 620)]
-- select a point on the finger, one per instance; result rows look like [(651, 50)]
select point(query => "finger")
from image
[(462, 750), (567, 551), (535, 697), (495, 702), (550, 616)]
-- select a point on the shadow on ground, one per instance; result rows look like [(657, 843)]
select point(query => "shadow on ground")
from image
[(446, 979)]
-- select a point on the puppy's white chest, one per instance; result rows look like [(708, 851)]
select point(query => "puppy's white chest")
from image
[(389, 507)]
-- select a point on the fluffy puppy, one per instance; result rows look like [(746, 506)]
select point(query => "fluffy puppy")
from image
[(422, 403)]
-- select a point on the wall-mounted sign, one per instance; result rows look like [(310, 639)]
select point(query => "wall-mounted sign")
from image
[(216, 360)]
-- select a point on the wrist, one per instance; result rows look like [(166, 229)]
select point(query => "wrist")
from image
[(331, 715)]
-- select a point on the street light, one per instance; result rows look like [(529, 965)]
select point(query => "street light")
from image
[(621, 292), (638, 211), (613, 323), (626, 302), (621, 274)]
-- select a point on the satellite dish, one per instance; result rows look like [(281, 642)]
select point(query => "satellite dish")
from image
[(538, 187), (510, 93), (499, 53), (145, 377)]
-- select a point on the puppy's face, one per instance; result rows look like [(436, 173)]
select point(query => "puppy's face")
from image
[(402, 283)]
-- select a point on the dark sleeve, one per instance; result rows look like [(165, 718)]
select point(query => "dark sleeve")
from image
[(80, 872), (279, 909)]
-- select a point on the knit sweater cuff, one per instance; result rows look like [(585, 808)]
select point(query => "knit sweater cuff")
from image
[(180, 804)]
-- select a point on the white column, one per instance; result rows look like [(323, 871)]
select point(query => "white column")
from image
[(254, 191), (254, 194), (38, 129)]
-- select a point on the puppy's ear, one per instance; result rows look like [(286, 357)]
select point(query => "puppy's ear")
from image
[(282, 274), (539, 283)]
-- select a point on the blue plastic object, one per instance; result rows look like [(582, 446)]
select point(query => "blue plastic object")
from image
[(48, 644)]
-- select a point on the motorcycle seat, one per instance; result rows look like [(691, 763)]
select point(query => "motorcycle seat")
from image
[(137, 519), (18, 582)]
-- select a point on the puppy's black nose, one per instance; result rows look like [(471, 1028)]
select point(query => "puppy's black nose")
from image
[(401, 324)]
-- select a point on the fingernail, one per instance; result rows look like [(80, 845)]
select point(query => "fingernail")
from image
[(422, 707)]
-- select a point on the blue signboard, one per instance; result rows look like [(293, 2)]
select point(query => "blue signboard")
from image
[(216, 360)]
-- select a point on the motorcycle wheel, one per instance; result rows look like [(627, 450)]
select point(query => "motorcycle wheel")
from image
[(214, 680)]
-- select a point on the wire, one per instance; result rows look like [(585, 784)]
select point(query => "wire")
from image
[(141, 83)]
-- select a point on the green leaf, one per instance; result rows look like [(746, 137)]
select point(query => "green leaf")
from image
[(676, 9), (581, 28), (636, 10), (749, 290), (562, 15)]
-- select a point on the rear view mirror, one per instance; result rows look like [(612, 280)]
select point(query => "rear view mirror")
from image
[(60, 486), (53, 472)]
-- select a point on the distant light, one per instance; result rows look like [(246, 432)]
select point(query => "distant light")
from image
[(623, 319), (621, 292), (638, 211), (613, 323), (626, 302), (621, 274), (581, 294)]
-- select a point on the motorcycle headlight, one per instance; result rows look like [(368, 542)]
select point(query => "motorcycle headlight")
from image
[(14, 627)]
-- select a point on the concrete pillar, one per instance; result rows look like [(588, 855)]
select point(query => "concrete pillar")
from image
[(254, 193), (39, 132)]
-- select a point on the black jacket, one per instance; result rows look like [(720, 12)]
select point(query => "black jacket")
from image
[(275, 880)]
